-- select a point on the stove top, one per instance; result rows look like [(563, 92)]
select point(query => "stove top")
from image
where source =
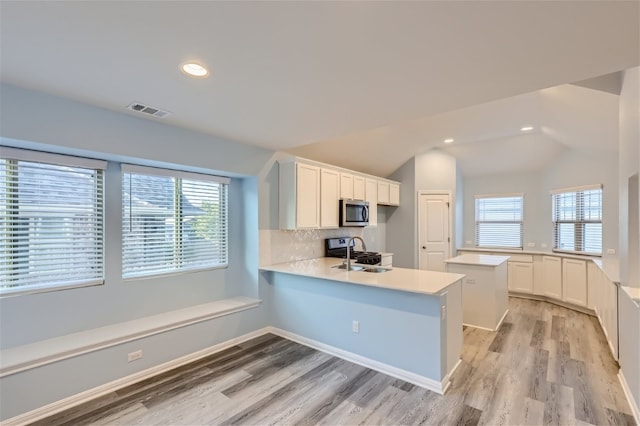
[(337, 247)]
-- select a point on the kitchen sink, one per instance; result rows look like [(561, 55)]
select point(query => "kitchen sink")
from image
[(353, 267), (376, 270)]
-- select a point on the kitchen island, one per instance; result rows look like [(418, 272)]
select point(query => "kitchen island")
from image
[(406, 323), (485, 294)]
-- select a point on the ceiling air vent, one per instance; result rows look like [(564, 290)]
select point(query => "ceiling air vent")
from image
[(146, 109)]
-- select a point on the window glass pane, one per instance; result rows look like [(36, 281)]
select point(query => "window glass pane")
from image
[(148, 224), (593, 237), (499, 221), (577, 217), (51, 225), (566, 236), (172, 223), (204, 223)]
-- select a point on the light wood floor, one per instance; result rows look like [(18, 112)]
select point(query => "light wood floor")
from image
[(546, 365)]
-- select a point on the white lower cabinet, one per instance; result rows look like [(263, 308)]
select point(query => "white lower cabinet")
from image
[(520, 277), (551, 285), (574, 281), (605, 304)]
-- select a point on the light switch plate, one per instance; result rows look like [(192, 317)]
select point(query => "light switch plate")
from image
[(611, 251)]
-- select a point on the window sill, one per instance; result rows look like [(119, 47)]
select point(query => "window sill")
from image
[(21, 358)]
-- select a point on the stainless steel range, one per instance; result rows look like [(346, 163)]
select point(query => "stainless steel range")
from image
[(337, 247)]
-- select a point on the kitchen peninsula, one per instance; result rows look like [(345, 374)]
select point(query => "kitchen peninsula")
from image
[(406, 323)]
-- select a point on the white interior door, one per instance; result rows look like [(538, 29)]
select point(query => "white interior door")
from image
[(434, 232)]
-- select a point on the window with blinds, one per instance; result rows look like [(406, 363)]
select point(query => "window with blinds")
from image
[(499, 221), (577, 220), (172, 221), (51, 221)]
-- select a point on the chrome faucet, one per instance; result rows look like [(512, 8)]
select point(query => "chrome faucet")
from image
[(364, 248)]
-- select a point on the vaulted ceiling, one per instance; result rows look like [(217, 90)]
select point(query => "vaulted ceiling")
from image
[(364, 85)]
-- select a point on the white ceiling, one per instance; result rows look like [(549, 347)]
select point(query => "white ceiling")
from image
[(364, 85)]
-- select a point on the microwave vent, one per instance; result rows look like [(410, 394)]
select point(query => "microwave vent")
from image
[(149, 110)]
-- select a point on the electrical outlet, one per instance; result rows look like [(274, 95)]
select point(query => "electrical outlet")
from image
[(134, 356), (611, 251), (531, 244), (355, 326), (543, 245), (468, 242), (469, 280)]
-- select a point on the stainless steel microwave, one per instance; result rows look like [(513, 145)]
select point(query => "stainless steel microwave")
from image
[(354, 213)]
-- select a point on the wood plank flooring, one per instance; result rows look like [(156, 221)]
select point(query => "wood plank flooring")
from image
[(545, 365)]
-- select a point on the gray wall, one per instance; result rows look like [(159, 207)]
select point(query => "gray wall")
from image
[(629, 313), (571, 169), (40, 121), (430, 171), (629, 155)]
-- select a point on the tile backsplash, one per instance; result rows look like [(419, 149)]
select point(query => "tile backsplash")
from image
[(281, 246)]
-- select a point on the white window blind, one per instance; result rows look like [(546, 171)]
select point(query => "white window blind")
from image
[(499, 221), (577, 220), (51, 221), (172, 221)]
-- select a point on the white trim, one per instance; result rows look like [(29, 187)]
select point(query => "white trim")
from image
[(398, 373), (507, 195), (576, 188), (486, 328), (26, 357), (451, 220), (447, 378), (155, 171), (627, 393), (47, 157), (82, 397)]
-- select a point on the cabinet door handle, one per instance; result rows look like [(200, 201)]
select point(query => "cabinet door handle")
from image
[(424, 247)]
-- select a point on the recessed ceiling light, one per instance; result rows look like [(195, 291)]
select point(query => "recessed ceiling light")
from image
[(526, 129), (448, 140), (194, 69)]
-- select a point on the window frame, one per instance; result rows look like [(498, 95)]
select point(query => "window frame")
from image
[(179, 176), (477, 199), (579, 221), (17, 155)]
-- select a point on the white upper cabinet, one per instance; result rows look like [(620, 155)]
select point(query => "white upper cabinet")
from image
[(310, 193), (358, 188), (388, 193), (394, 194), (371, 195), (329, 198), (383, 192), (299, 203), (346, 186), (574, 281)]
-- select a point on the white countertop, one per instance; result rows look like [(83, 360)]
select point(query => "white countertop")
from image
[(402, 279), (478, 259), (633, 292)]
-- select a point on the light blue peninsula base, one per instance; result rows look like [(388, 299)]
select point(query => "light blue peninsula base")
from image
[(414, 336)]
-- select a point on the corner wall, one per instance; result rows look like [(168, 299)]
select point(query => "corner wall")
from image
[(431, 171), (34, 120)]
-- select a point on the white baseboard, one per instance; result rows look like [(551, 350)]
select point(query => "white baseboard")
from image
[(627, 392), (82, 397), (487, 328), (77, 399), (398, 373)]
